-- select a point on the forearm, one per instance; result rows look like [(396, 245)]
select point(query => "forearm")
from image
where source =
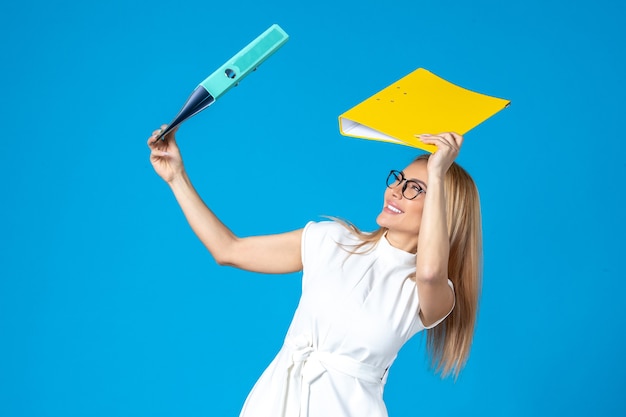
[(272, 254), (215, 236), (433, 243)]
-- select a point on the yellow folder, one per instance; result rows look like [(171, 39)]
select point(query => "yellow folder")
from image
[(418, 103)]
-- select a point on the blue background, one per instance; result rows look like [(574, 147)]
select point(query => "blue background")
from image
[(109, 306)]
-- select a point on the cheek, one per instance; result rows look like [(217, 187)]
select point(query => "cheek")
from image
[(415, 215)]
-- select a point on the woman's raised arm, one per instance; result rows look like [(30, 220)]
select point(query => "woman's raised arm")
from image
[(436, 298), (275, 254)]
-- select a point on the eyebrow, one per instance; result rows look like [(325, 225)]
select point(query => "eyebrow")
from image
[(420, 182)]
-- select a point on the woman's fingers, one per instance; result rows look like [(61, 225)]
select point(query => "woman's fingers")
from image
[(448, 145), (448, 139), (153, 139), (437, 140), (458, 139), (171, 135), (454, 140), (157, 153)]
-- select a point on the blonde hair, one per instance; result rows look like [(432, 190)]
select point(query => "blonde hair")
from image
[(449, 343)]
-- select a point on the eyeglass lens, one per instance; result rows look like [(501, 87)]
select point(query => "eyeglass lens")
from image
[(410, 189)]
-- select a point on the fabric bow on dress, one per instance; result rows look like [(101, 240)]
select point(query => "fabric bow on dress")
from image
[(307, 364)]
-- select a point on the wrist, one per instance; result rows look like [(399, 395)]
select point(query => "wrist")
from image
[(178, 180), (435, 177)]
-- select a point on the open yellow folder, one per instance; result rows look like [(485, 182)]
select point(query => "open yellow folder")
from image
[(418, 103)]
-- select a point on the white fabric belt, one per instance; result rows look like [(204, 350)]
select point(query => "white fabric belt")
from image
[(306, 364)]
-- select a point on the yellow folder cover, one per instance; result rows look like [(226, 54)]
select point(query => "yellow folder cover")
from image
[(418, 103)]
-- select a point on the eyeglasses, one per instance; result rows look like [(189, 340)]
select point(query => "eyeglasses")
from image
[(410, 190)]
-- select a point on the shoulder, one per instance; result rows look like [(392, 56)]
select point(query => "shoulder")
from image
[(321, 240), (327, 230)]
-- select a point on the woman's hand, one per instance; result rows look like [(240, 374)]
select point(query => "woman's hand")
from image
[(448, 146), (165, 156)]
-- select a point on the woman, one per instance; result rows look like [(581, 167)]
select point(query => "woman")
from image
[(363, 294)]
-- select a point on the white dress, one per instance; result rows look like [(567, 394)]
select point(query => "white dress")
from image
[(355, 313)]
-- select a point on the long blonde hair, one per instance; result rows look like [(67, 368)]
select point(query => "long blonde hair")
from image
[(449, 343)]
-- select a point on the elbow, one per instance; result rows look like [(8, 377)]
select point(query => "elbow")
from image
[(431, 275), (225, 254), (226, 262), (222, 258), (221, 261)]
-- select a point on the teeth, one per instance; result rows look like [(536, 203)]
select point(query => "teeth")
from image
[(395, 210)]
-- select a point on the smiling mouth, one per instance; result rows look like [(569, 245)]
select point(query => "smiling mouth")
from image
[(394, 209)]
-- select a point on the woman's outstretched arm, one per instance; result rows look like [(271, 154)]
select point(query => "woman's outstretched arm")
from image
[(280, 253)]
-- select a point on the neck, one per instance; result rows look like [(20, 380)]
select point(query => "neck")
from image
[(407, 243)]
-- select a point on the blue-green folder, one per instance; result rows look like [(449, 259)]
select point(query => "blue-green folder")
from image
[(230, 74)]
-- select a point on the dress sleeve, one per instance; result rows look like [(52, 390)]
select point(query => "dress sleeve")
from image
[(319, 242), (444, 317), (305, 245)]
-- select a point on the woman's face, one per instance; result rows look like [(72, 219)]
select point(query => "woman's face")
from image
[(402, 216)]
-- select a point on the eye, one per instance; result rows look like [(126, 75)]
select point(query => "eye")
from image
[(416, 188)]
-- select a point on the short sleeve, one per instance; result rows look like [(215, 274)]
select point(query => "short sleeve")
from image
[(444, 317), (319, 242), (306, 244)]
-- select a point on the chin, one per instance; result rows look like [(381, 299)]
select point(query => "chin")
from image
[(380, 222), (383, 221)]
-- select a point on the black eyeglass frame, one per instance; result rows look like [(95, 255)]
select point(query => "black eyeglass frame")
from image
[(392, 182)]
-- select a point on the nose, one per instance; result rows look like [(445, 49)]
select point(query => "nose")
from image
[(396, 191)]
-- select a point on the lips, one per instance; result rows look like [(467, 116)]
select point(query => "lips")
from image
[(393, 209)]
